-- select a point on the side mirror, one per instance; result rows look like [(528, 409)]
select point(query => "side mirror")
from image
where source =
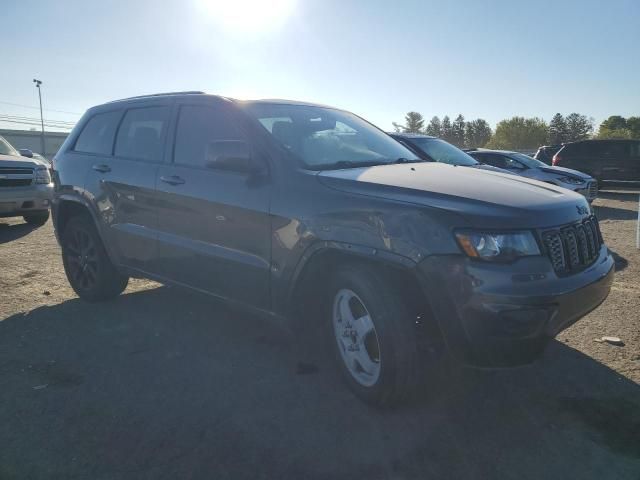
[(25, 152), (230, 155)]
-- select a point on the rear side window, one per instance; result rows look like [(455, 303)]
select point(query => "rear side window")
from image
[(634, 149), (97, 135), (141, 133), (198, 127)]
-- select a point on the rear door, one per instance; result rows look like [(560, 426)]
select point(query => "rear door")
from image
[(632, 161), (214, 224), (613, 156), (123, 184)]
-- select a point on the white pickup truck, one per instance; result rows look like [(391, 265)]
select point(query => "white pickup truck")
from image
[(25, 186)]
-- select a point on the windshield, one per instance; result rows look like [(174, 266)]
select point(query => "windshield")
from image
[(527, 160), (324, 138), (7, 149), (443, 152)]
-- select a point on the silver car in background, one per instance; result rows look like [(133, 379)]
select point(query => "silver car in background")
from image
[(26, 189), (529, 167)]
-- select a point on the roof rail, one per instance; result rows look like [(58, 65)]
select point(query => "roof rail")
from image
[(188, 92)]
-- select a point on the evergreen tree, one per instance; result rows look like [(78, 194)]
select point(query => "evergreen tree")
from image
[(477, 133), (446, 132), (434, 128), (579, 127), (557, 130), (413, 123), (457, 131)]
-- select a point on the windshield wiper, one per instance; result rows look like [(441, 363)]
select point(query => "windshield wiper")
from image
[(406, 160), (342, 164)]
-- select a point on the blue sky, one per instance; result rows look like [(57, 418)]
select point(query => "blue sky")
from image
[(379, 59)]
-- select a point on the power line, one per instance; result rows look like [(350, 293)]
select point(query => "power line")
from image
[(16, 117), (35, 124), (38, 108)]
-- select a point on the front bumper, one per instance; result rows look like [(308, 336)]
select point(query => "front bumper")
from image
[(18, 201), (504, 315)]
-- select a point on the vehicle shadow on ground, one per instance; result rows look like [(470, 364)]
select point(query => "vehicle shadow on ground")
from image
[(169, 384), (14, 231), (620, 262)]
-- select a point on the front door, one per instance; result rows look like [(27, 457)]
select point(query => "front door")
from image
[(214, 224)]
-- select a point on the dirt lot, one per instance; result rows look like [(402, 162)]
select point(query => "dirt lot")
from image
[(163, 383)]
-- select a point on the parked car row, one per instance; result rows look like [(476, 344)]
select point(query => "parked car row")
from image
[(310, 214), (26, 188), (437, 150)]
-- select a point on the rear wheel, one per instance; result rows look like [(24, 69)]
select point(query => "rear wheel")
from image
[(88, 267), (374, 334), (37, 219)]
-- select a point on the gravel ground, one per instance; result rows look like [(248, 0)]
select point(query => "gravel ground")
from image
[(163, 383)]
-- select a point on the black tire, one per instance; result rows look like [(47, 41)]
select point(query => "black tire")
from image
[(37, 219), (88, 267), (394, 329)]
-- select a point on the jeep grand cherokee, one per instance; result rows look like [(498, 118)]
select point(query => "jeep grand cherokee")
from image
[(293, 209)]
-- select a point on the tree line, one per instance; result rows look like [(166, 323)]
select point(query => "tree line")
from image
[(462, 133), (519, 132)]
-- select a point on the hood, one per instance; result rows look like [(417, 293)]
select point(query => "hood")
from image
[(20, 162), (491, 168), (486, 199), (565, 172)]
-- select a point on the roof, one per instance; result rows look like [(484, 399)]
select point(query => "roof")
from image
[(488, 150), (155, 95), (191, 93), (409, 135)]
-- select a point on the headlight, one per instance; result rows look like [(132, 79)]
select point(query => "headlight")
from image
[(571, 180), (497, 247), (43, 175)]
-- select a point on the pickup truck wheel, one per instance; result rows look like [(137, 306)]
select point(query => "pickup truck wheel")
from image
[(374, 334), (37, 219), (88, 267)]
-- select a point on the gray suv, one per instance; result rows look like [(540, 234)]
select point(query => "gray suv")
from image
[(25, 186), (311, 215)]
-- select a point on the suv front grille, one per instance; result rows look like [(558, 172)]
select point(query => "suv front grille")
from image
[(592, 190), (15, 177), (573, 247)]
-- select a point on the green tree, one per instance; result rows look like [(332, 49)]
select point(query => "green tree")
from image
[(457, 131), (413, 123), (446, 133), (614, 122), (434, 128), (477, 133), (557, 130), (633, 124), (579, 127), (519, 133)]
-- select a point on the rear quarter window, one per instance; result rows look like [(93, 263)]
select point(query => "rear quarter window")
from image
[(142, 132), (98, 133)]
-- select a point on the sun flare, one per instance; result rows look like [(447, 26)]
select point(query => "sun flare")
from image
[(246, 16)]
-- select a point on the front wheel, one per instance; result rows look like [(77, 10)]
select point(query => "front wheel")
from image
[(37, 219), (374, 333), (88, 267)]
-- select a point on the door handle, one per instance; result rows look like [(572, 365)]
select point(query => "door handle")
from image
[(102, 168), (172, 180)]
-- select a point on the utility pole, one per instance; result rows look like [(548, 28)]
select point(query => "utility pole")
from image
[(38, 83)]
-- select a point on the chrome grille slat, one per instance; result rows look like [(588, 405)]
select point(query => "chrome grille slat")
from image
[(16, 176)]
